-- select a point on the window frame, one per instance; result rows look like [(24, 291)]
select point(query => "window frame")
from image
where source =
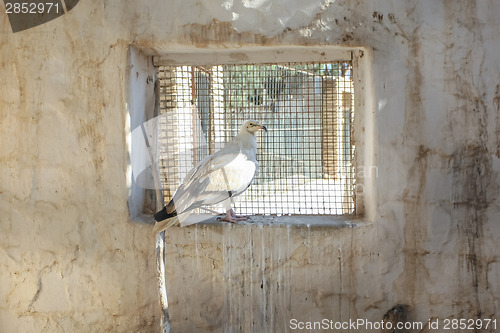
[(362, 107)]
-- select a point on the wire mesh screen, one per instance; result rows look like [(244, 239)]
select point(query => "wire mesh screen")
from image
[(306, 157)]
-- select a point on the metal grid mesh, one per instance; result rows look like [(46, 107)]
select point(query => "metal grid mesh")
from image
[(305, 157)]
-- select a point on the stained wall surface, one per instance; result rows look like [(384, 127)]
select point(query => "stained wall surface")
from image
[(72, 260)]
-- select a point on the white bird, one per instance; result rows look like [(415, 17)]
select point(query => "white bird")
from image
[(219, 177)]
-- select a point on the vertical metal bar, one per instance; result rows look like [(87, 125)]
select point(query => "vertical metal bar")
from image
[(211, 113), (160, 264), (160, 237), (160, 241), (194, 115)]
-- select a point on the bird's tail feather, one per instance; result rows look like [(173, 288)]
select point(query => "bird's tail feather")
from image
[(165, 224), (163, 214), (169, 220)]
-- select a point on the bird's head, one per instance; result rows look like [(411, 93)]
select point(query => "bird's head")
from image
[(252, 126)]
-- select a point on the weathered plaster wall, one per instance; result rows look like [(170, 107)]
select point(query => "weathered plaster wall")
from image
[(71, 259)]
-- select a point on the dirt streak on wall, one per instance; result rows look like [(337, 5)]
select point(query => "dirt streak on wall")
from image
[(416, 157), (473, 181)]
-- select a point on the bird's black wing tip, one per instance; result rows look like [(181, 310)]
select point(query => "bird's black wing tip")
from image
[(163, 215)]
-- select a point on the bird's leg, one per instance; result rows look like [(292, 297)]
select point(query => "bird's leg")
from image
[(238, 217), (232, 217)]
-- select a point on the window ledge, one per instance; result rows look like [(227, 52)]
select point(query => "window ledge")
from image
[(293, 220)]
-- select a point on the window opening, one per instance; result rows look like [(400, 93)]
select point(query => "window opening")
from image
[(306, 157)]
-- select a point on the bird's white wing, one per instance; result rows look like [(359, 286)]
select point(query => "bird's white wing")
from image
[(213, 162), (206, 184)]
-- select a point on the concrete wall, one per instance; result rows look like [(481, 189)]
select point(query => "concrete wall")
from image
[(72, 260)]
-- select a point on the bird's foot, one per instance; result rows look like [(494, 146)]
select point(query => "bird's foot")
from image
[(228, 219), (232, 217)]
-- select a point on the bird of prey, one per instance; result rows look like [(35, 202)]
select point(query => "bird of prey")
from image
[(219, 177)]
